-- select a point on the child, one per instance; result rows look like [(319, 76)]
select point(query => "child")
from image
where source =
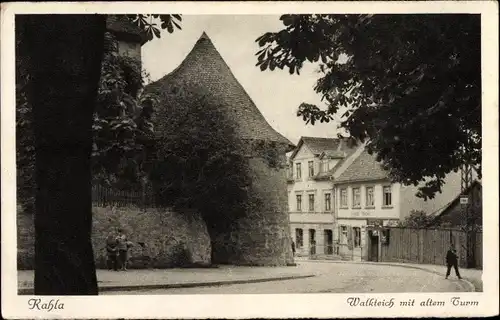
[(122, 246)]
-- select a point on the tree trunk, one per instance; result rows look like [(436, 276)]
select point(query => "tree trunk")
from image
[(65, 53)]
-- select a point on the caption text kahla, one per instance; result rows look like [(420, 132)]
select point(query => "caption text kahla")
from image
[(46, 305), (389, 303)]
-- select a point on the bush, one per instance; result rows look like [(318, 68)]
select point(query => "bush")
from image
[(418, 220)]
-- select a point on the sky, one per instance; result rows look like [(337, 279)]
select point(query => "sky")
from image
[(276, 93)]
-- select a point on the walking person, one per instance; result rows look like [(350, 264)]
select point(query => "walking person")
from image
[(112, 252), (452, 261), (123, 246), (313, 248)]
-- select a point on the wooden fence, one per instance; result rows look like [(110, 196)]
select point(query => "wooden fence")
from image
[(429, 246), (102, 196)]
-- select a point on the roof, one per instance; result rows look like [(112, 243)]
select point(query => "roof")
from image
[(347, 150), (205, 69), (446, 209), (335, 148), (364, 168), (124, 29)]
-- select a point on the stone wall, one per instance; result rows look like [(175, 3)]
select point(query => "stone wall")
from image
[(161, 238), (262, 237), (129, 49)]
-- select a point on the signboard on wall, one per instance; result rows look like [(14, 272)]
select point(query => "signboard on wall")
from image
[(360, 213), (464, 199), (375, 222), (392, 223)]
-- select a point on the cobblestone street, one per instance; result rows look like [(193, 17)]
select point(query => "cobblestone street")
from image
[(334, 278)]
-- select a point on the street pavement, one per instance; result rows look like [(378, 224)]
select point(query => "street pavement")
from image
[(334, 278), (472, 277), (177, 277)]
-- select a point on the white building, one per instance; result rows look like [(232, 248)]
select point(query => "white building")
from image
[(336, 190), (310, 191), (366, 197)]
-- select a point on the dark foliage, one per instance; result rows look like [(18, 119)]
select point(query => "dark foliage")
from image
[(409, 84)]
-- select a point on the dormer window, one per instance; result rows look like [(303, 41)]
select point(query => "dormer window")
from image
[(324, 165), (311, 168)]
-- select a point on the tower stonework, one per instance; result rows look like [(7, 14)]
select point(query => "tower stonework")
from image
[(262, 235), (128, 36)]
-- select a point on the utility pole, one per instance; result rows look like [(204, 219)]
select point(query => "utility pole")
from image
[(465, 201)]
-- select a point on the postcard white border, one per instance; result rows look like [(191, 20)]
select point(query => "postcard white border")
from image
[(252, 306)]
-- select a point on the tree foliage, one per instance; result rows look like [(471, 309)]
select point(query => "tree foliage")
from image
[(410, 85), (151, 24), (122, 121)]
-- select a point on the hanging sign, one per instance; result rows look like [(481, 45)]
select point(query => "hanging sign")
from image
[(464, 199)]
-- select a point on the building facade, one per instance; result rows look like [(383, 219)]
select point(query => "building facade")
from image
[(337, 193), (311, 200), (367, 198)]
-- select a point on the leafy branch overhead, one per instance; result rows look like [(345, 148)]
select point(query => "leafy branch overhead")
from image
[(410, 85), (151, 24)]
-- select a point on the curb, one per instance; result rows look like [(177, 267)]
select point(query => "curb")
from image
[(166, 286), (470, 286)]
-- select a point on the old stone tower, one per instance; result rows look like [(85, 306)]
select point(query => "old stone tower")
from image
[(128, 36), (262, 236)]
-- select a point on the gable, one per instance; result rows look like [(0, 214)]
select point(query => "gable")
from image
[(303, 153)]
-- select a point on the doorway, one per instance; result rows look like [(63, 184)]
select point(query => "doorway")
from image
[(312, 241), (374, 240), (328, 236)]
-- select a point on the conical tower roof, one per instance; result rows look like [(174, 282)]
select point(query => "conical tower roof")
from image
[(204, 68)]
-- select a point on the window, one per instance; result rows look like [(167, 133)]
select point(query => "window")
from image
[(290, 172), (370, 200), (310, 165), (328, 202), (299, 238), (343, 198), (311, 203), (299, 202), (387, 196), (357, 237), (324, 166), (356, 198), (298, 172)]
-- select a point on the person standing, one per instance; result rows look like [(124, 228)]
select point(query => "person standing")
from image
[(452, 261), (293, 248), (122, 245), (112, 252), (313, 247)]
